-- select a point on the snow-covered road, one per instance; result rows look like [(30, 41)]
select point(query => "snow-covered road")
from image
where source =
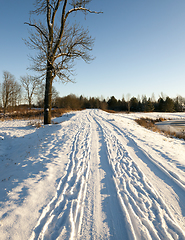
[(94, 175)]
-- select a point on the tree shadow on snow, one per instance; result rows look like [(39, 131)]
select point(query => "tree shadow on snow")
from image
[(26, 158)]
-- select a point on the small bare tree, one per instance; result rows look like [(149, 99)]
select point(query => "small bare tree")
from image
[(16, 95), (58, 43), (40, 95), (11, 90), (30, 85)]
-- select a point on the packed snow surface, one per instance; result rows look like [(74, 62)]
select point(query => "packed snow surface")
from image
[(92, 175)]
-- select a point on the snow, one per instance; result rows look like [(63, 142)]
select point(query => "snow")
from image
[(92, 175)]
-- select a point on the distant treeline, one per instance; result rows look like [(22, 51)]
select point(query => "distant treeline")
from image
[(29, 92), (163, 104)]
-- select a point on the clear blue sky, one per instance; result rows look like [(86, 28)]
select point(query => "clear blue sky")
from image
[(139, 47)]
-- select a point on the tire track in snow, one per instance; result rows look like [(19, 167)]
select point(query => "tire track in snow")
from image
[(138, 147), (137, 150), (147, 214), (153, 153), (63, 215), (94, 224), (109, 210)]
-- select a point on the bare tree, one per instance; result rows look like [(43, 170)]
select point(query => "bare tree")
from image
[(30, 84), (16, 95), (58, 43), (11, 90), (40, 96)]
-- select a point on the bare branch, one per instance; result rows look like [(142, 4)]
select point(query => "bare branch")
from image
[(80, 9), (63, 21), (38, 29), (55, 11)]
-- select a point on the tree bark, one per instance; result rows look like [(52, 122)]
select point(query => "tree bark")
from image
[(48, 95), (29, 103)]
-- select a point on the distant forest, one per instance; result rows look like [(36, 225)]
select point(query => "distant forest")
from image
[(163, 104)]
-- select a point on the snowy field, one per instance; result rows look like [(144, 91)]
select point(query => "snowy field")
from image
[(94, 175)]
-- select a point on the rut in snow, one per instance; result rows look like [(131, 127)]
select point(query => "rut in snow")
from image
[(62, 216), (147, 214)]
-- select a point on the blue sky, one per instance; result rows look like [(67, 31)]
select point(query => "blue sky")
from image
[(139, 48)]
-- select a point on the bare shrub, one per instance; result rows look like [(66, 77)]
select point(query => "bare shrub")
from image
[(148, 123)]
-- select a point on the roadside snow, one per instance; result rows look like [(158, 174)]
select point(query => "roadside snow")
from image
[(92, 175)]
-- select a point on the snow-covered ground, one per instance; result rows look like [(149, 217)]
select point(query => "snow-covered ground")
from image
[(93, 175)]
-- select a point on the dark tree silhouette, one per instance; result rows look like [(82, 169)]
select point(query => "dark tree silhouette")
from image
[(58, 43)]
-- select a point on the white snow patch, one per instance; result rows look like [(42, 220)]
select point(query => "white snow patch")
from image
[(93, 175)]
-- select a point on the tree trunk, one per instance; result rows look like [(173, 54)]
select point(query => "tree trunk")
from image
[(48, 94), (5, 105), (128, 106), (29, 103)]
